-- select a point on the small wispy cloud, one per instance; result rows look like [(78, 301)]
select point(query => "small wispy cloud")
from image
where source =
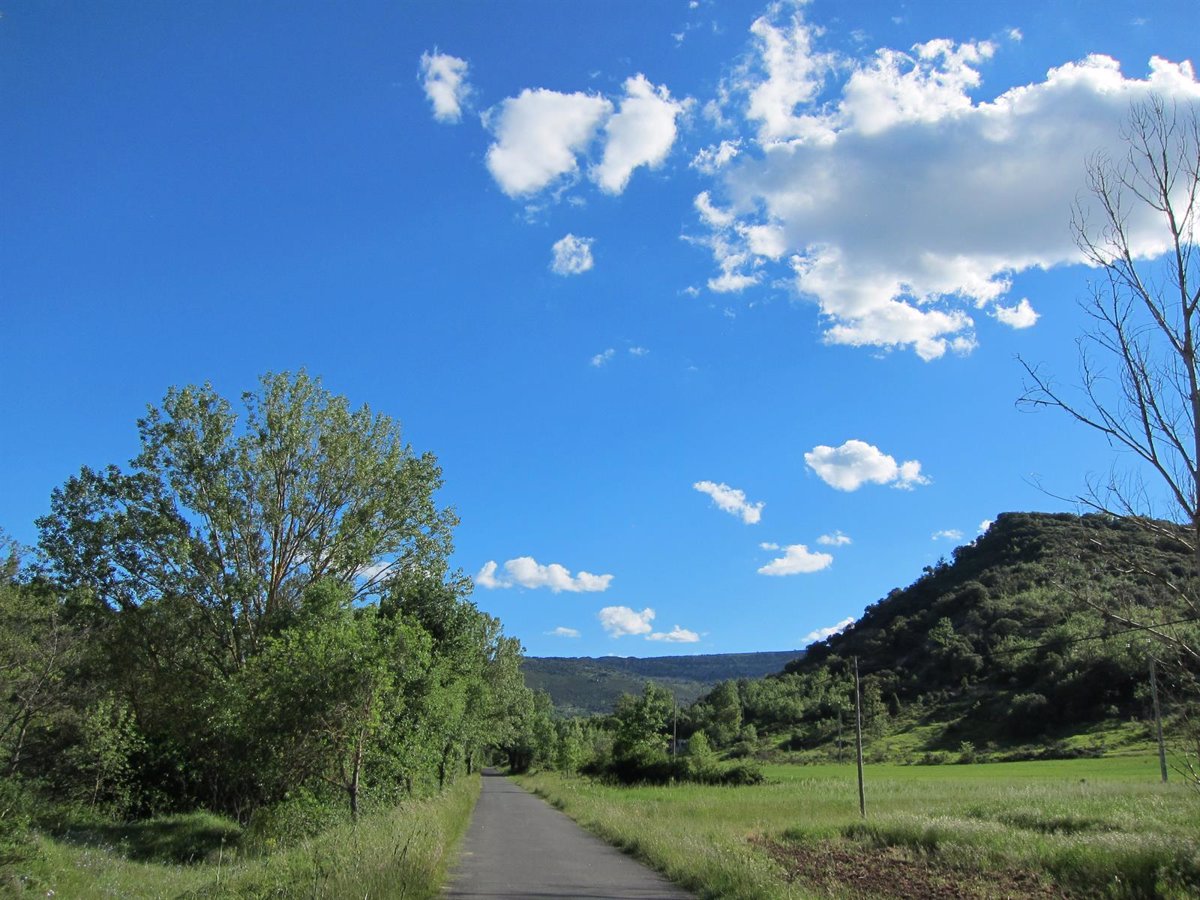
[(572, 255), (837, 539), (564, 632), (797, 559), (676, 635), (947, 534), (821, 633), (603, 357), (731, 500)]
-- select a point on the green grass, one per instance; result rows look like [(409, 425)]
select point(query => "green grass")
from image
[(1094, 827), (399, 852)]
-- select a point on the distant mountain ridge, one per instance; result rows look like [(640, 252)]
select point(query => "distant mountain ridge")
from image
[(584, 685)]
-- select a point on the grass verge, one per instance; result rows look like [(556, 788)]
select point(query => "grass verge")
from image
[(403, 851)]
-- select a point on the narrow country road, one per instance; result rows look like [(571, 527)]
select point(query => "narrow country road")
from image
[(520, 846)]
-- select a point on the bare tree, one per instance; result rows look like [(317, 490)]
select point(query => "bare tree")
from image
[(1139, 386)]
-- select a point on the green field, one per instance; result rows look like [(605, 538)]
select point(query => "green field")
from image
[(1088, 827)]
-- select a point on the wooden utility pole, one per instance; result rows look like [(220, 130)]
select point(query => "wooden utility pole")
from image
[(674, 726), (1162, 750), (862, 797)]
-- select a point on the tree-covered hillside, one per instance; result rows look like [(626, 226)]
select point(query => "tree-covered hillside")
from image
[(1019, 637), (587, 685)]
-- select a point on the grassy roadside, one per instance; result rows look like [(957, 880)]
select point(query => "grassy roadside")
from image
[(1094, 827), (403, 851)]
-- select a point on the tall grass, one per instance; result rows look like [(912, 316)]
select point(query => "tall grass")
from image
[(399, 852), (1094, 827)]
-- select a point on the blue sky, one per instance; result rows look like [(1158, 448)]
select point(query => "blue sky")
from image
[(709, 310)]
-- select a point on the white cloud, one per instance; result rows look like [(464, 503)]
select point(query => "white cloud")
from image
[(562, 631), (837, 539), (960, 193), (947, 534), (1020, 316), (572, 255), (731, 501), (821, 633), (444, 78), (792, 73), (638, 351), (676, 635), (621, 620), (603, 357), (768, 545), (640, 134), (797, 559), (526, 572), (538, 134), (856, 463), (985, 525), (711, 160)]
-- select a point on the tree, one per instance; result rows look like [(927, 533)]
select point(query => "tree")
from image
[(193, 567), (1139, 381)]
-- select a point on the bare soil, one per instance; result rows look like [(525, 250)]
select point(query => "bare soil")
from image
[(847, 870)]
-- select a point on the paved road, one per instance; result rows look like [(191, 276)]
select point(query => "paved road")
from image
[(520, 846)]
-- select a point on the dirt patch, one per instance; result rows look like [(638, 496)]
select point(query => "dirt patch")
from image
[(838, 869)]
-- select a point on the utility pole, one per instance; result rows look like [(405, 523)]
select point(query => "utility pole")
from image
[(674, 726), (862, 797), (1162, 751)]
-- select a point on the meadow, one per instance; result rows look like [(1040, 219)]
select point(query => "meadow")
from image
[(1104, 827), (402, 851)]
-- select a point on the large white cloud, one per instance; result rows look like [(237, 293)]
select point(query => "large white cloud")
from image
[(619, 621), (527, 572), (904, 204), (856, 463), (731, 500), (538, 134), (571, 255), (444, 79), (797, 559), (640, 134)]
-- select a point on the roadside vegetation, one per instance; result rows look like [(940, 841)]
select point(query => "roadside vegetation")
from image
[(1088, 828), (241, 662)]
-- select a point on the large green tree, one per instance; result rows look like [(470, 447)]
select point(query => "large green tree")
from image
[(228, 579)]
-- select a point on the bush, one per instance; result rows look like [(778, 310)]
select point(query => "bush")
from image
[(290, 821), (16, 806)]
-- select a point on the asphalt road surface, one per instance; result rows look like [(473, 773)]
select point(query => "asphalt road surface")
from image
[(520, 846)]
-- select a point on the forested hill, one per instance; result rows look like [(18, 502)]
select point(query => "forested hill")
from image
[(582, 685), (1005, 642)]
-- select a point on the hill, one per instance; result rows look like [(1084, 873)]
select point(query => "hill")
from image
[(585, 685), (1003, 645)]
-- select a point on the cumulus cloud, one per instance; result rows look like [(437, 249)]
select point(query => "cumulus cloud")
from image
[(856, 463), (641, 133), (1020, 316), (731, 500), (947, 534), (538, 135), (444, 78), (603, 357), (797, 559), (676, 635), (903, 202), (621, 620), (837, 539), (526, 572), (571, 255), (821, 633), (562, 631)]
